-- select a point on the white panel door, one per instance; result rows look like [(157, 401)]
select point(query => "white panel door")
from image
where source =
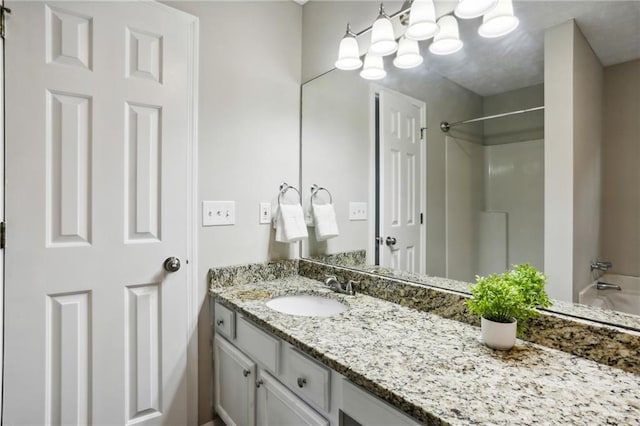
[(401, 197), (97, 190)]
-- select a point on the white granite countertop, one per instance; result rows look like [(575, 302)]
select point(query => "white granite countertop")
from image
[(437, 370)]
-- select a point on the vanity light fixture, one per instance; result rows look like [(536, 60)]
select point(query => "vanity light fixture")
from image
[(422, 20), (383, 41), (499, 21), (469, 9), (373, 68), (447, 41), (348, 53), (408, 55)]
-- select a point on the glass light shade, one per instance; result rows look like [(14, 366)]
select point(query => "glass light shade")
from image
[(447, 41), (469, 9), (500, 21), (422, 20), (348, 54), (408, 54), (373, 68), (383, 41)]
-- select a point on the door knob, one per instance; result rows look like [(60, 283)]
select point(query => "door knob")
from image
[(391, 241), (172, 264)]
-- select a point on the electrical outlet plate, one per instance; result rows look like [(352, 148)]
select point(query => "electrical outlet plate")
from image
[(217, 213), (357, 211), (265, 213)]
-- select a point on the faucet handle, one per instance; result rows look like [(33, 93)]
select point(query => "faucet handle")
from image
[(349, 289), (330, 280)]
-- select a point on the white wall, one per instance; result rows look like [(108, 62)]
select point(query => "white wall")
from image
[(464, 202), (573, 131), (514, 184), (335, 154), (249, 133), (558, 160)]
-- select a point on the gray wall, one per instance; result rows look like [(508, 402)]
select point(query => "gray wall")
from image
[(248, 131), (620, 171), (515, 128)]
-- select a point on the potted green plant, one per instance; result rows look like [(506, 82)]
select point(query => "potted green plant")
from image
[(506, 301)]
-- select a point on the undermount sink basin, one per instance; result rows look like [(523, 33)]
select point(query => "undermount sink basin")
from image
[(306, 305)]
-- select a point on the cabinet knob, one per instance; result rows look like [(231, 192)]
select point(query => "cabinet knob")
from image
[(246, 372), (301, 382), (259, 383), (220, 322)]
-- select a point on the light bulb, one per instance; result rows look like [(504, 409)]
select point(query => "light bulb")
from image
[(408, 54), (500, 21), (383, 41), (469, 9), (373, 68), (447, 41), (348, 53), (422, 20)]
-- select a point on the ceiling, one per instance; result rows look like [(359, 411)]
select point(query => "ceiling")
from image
[(490, 66)]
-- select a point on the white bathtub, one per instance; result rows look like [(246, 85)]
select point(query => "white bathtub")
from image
[(627, 300)]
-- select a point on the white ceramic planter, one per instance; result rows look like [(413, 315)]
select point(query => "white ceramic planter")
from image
[(499, 335)]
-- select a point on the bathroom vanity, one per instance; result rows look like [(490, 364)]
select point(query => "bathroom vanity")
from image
[(381, 363)]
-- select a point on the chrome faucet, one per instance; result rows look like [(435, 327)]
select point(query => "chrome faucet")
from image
[(606, 286), (601, 265), (332, 282)]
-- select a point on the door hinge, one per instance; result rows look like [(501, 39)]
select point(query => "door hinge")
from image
[(422, 130), (3, 234), (421, 218), (3, 13)]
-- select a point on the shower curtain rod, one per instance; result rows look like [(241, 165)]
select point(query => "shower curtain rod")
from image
[(445, 125)]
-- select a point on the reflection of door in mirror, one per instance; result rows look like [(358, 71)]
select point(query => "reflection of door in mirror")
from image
[(401, 176)]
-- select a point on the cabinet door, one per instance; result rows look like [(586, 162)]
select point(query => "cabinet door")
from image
[(234, 378), (281, 407)]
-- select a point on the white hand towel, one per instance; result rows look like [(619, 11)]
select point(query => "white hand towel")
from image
[(289, 224), (324, 217)]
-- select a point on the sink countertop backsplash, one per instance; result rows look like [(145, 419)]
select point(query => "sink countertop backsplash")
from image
[(418, 348)]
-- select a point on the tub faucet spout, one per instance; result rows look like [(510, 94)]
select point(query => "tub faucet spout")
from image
[(606, 286)]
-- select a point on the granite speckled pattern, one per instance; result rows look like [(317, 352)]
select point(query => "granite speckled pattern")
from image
[(437, 370), (604, 344), (604, 316), (351, 259), (233, 275)]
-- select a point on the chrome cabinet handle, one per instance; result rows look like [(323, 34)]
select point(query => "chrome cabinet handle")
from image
[(219, 322), (301, 382), (391, 241), (246, 372), (172, 264)]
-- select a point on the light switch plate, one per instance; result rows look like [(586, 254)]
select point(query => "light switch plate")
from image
[(357, 211), (216, 213), (265, 213)]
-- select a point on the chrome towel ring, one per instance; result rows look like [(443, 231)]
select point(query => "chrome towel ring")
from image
[(315, 189), (284, 188)]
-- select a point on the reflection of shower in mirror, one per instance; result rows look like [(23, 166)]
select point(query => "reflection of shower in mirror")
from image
[(625, 300)]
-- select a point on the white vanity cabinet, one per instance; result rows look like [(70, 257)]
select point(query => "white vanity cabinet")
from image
[(235, 384), (261, 380), (278, 406)]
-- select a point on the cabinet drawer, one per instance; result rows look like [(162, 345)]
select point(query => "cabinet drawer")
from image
[(308, 378), (224, 321), (258, 345)]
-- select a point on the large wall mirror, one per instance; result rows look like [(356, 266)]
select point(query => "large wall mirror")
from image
[(416, 202)]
